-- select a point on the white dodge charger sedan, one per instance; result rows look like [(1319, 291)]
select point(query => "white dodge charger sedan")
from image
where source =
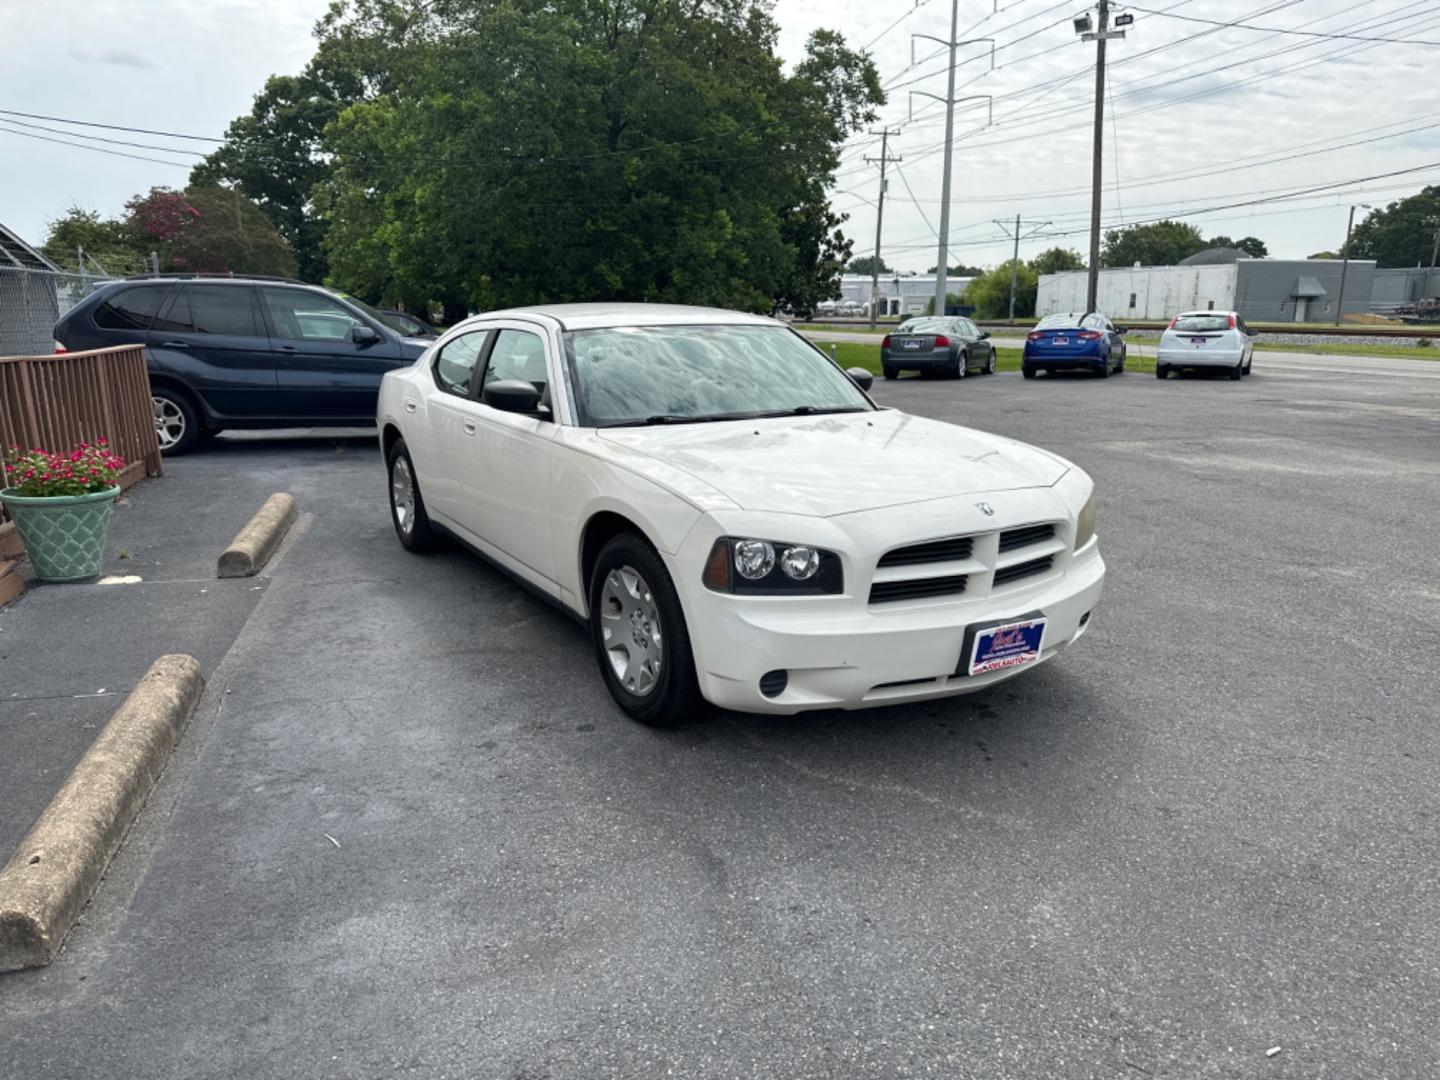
[(730, 513)]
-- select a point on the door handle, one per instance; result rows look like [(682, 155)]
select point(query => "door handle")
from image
[(409, 405), (469, 427), (173, 345), (285, 348)]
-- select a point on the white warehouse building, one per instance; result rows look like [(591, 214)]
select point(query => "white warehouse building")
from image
[(899, 294)]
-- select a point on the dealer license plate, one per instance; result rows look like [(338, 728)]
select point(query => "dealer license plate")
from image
[(1060, 341), (910, 344), (1007, 645), (1198, 340)]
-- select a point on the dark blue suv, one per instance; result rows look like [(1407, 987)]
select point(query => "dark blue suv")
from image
[(243, 352)]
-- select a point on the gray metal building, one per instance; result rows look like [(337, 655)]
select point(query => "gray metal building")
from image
[(1301, 290)]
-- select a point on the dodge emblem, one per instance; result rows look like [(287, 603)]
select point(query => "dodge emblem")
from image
[(986, 509)]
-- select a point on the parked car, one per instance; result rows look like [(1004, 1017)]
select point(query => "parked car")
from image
[(243, 352), (950, 345), (731, 515), (1074, 341), (1206, 339)]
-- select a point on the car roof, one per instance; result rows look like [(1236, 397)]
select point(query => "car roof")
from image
[(1211, 311), (601, 315)]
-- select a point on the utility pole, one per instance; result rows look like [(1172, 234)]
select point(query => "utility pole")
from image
[(1100, 35), (1345, 260), (941, 264), (884, 160), (1015, 259)]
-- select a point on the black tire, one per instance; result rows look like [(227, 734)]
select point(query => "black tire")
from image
[(675, 694), (1027, 371), (962, 362), (889, 372), (990, 364), (1162, 370), (177, 420), (1104, 371), (1249, 363), (1237, 371), (1120, 367), (419, 536)]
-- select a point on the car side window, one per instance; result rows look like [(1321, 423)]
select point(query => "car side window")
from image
[(517, 354), (131, 309), (455, 362), (216, 309), (303, 315)]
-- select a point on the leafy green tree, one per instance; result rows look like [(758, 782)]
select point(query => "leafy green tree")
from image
[(990, 293), (275, 154), (109, 242), (1251, 245), (1163, 243), (866, 265), (1402, 234), (960, 271), (585, 149), (212, 230), (1056, 260), (1324, 255)]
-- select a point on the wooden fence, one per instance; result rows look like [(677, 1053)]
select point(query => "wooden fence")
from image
[(58, 401)]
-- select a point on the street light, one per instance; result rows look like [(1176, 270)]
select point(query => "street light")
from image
[(1345, 259)]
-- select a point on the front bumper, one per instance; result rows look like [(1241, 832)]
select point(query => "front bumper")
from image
[(846, 652), (1221, 358)]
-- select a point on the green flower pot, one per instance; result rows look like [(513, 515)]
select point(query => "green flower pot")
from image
[(64, 535)]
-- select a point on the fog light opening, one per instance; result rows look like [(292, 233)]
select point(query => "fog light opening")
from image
[(773, 683), (1084, 618)]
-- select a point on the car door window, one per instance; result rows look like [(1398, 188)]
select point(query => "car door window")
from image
[(517, 354), (455, 362), (131, 309), (301, 315), (218, 309)]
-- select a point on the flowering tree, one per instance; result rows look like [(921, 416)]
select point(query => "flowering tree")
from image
[(210, 230)]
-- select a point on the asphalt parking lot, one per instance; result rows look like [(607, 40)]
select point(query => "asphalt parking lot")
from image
[(1207, 831)]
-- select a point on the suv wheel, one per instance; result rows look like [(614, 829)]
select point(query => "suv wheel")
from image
[(639, 632), (177, 425)]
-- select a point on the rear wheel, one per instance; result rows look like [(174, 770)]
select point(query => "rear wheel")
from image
[(177, 421), (1120, 367), (1027, 371), (1249, 363), (1104, 371), (407, 508), (1162, 370), (990, 365), (641, 642), (889, 372), (962, 363), (1237, 371)]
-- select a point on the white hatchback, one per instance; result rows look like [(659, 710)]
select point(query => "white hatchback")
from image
[(1206, 339), (731, 515)]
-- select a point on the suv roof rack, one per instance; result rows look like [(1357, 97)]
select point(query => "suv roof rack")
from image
[(206, 275)]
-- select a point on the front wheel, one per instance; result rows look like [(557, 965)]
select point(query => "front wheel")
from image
[(407, 508), (641, 642), (177, 423)]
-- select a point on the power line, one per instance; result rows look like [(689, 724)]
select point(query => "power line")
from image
[(101, 138), (1280, 30), (110, 127), (97, 149)]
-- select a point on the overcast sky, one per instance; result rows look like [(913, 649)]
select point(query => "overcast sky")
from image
[(1209, 109)]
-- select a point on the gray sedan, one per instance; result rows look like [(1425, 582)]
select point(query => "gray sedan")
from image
[(951, 345)]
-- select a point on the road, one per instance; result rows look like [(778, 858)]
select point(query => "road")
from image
[(1207, 831), (1285, 361)]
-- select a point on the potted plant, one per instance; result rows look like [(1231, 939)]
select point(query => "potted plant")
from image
[(61, 505)]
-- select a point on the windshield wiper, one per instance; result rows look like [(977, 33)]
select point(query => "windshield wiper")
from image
[(812, 410), (671, 418)]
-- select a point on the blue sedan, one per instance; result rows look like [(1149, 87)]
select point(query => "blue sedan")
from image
[(1074, 342)]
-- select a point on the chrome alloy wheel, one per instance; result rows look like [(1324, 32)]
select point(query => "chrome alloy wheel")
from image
[(402, 494), (169, 422), (630, 629)]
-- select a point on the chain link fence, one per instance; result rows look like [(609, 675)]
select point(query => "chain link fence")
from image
[(31, 303)]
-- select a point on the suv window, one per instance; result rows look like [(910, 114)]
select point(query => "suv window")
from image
[(130, 309), (517, 354), (211, 309), (309, 316), (455, 363)]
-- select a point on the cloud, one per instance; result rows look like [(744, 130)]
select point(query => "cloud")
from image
[(114, 58)]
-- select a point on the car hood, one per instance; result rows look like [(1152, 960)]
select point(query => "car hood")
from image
[(841, 464)]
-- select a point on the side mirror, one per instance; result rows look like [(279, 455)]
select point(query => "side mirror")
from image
[(860, 377), (363, 335), (511, 395), (984, 334)]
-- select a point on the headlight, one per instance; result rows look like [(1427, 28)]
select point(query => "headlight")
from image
[(754, 567), (1085, 523)]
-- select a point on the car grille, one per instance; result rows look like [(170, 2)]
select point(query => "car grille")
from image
[(1011, 539), (932, 551), (886, 592), (1007, 574)]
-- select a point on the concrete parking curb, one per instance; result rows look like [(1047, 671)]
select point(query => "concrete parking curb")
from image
[(249, 551), (57, 866)]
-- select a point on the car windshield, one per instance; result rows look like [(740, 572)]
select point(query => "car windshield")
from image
[(1057, 322), (1202, 323), (687, 374), (931, 326)]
